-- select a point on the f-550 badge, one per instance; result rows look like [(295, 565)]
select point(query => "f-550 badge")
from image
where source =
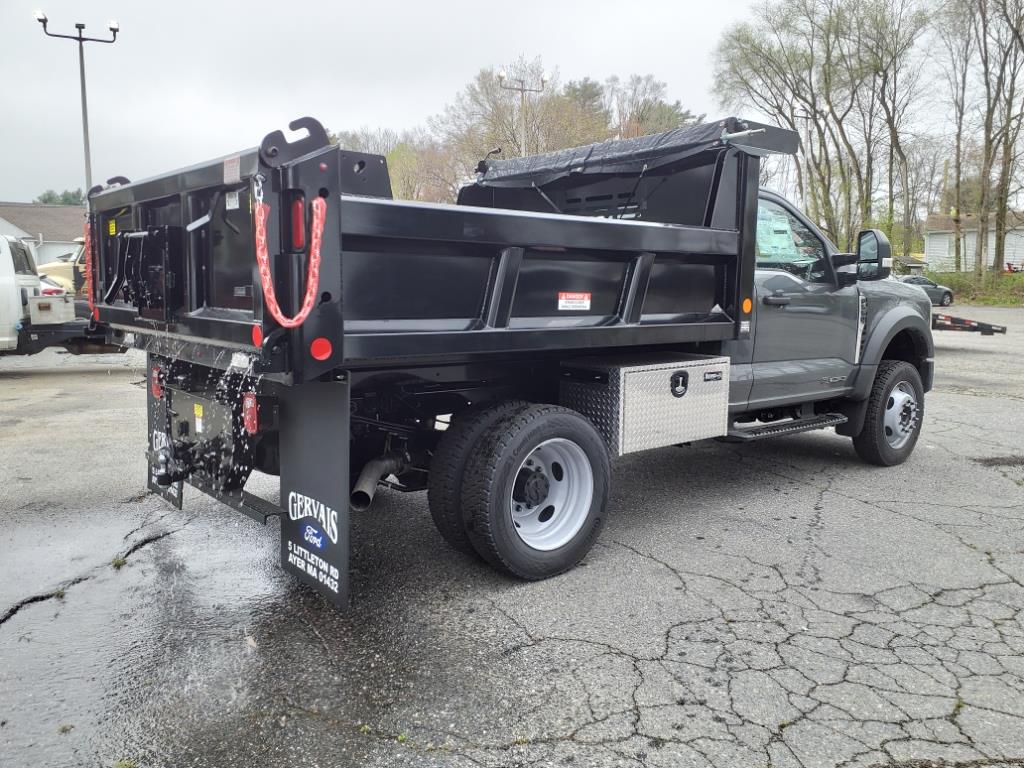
[(832, 379)]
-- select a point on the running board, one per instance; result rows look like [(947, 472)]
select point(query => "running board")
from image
[(785, 428)]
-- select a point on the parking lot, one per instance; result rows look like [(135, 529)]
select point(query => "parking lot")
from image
[(777, 604)]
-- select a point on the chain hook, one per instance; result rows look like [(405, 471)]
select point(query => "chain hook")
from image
[(258, 191)]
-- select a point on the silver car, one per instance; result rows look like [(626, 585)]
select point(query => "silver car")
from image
[(939, 294)]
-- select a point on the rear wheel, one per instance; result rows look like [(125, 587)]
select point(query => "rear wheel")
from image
[(895, 412), (448, 467), (536, 491), (947, 299)]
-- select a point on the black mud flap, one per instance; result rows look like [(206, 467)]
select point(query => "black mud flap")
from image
[(314, 486), (159, 439)]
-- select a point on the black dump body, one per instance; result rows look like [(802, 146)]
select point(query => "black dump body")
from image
[(412, 312), (656, 231)]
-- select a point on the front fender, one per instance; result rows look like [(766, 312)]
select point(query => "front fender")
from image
[(881, 332)]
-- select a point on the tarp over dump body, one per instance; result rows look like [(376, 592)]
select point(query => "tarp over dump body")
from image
[(671, 178), (630, 156)]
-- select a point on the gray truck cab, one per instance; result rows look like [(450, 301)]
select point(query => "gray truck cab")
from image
[(823, 322)]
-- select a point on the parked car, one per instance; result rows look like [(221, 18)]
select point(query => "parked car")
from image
[(939, 294)]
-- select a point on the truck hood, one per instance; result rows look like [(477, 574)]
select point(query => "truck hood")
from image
[(887, 293)]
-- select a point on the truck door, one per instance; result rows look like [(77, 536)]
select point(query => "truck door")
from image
[(806, 327)]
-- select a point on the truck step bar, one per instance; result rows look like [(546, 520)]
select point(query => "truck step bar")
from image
[(949, 323), (785, 428)]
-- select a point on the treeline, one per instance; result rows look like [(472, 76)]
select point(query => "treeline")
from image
[(433, 161), (904, 107)]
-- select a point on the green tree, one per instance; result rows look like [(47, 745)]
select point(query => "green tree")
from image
[(67, 197)]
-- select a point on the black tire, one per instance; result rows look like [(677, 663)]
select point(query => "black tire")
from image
[(871, 444), (448, 468), (491, 477), (947, 299)]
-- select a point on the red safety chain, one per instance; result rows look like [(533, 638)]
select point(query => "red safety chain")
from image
[(88, 270), (262, 211)]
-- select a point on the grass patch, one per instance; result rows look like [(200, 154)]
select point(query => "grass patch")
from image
[(997, 290), (125, 763), (118, 563), (65, 729)]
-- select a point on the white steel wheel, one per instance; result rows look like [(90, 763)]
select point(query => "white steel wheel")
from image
[(535, 492), (552, 494), (900, 421)]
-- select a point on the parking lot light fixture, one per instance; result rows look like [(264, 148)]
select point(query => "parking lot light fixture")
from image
[(81, 39)]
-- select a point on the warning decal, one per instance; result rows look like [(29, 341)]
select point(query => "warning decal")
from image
[(232, 169), (573, 300)]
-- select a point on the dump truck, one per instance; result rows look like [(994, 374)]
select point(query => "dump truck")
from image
[(498, 353)]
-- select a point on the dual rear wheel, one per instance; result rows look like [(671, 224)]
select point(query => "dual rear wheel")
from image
[(526, 486), (523, 486)]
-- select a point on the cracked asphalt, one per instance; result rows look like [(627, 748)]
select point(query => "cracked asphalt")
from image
[(778, 604)]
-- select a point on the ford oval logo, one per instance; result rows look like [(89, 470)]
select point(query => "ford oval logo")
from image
[(314, 536)]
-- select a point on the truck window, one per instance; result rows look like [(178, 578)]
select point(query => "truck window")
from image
[(23, 264), (786, 243)]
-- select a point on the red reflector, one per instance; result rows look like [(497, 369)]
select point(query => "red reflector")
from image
[(154, 383), (250, 413), (298, 224), (257, 336), (321, 348)]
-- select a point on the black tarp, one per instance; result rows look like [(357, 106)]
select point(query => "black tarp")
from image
[(627, 156)]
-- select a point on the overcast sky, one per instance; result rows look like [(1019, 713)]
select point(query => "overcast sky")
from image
[(189, 81)]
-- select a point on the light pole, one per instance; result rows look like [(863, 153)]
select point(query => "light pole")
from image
[(82, 40), (523, 90)]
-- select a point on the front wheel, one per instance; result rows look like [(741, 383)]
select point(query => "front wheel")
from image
[(536, 491), (895, 412)]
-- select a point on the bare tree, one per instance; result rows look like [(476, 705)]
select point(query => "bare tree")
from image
[(802, 62), (893, 28), (637, 106), (955, 33), (999, 67)]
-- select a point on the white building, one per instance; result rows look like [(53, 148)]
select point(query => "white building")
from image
[(53, 228), (939, 240)]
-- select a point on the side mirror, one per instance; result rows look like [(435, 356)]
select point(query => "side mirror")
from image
[(845, 265), (874, 255)]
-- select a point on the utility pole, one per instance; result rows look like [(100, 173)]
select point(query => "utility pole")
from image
[(523, 90), (82, 40)]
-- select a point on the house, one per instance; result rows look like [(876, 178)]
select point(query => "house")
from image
[(909, 265), (939, 240), (52, 227)]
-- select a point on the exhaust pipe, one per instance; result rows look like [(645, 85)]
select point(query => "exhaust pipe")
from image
[(373, 472)]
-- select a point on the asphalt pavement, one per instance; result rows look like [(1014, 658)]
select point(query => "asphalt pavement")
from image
[(779, 604)]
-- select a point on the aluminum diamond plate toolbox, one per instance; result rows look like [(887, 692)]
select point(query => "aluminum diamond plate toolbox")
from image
[(650, 402)]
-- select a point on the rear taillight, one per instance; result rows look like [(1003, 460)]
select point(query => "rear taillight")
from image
[(155, 388), (298, 224), (250, 413), (52, 291)]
